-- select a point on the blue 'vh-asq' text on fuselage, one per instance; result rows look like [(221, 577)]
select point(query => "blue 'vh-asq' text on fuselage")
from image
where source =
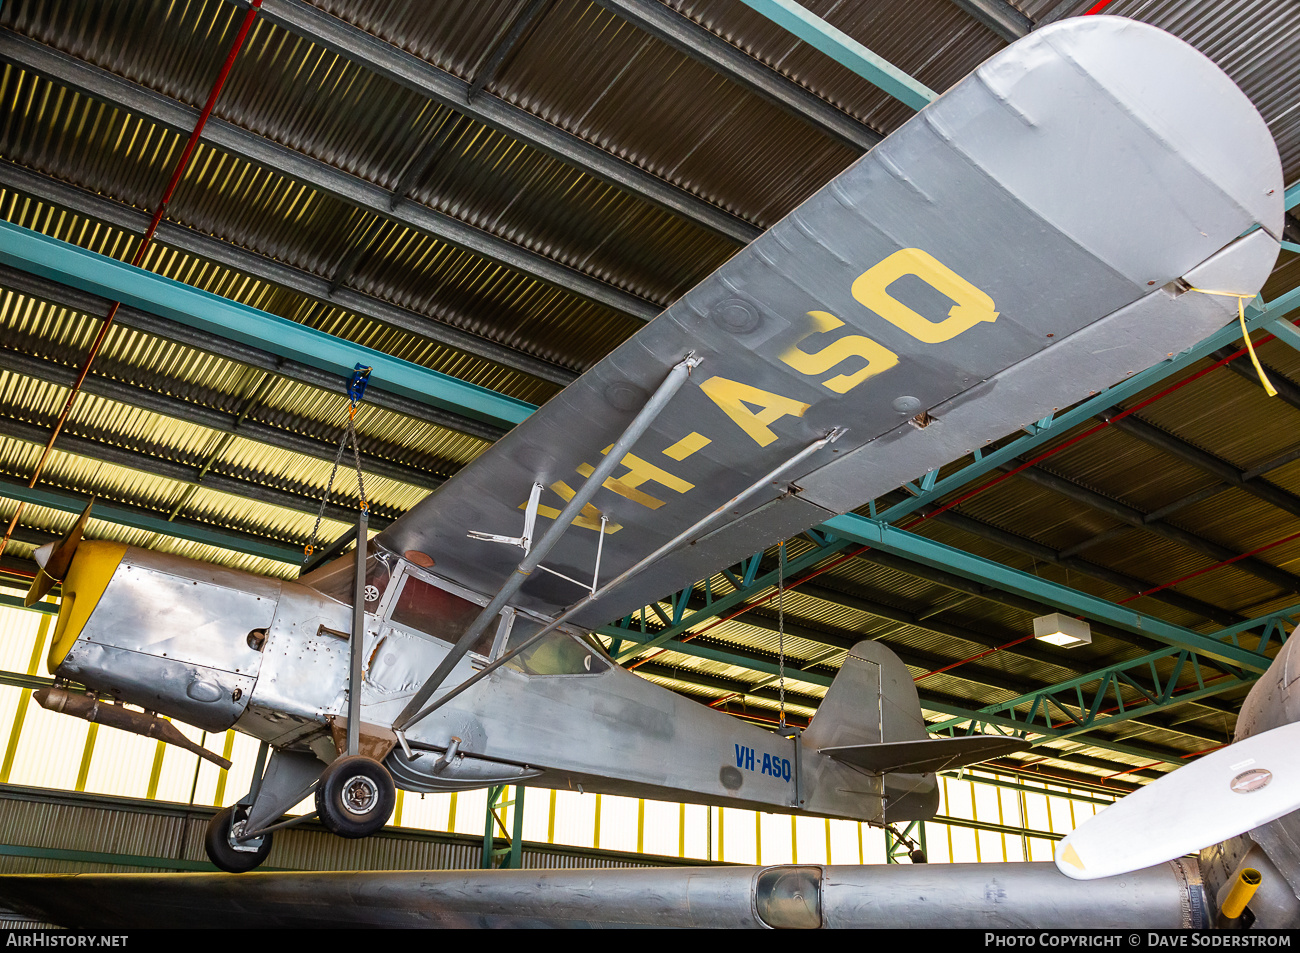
[(771, 765)]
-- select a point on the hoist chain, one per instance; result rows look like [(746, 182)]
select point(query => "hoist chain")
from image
[(356, 390)]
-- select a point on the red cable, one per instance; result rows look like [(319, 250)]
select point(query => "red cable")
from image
[(137, 259), (1193, 575), (972, 658)]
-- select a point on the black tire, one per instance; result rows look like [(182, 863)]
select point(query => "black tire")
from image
[(216, 842), (355, 797)]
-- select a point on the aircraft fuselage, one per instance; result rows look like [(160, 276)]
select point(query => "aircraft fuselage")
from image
[(217, 649)]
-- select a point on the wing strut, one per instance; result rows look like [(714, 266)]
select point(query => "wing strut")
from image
[(663, 550), (672, 383)]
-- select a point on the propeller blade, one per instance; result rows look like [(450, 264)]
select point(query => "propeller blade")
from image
[(1213, 799), (42, 584), (55, 558)]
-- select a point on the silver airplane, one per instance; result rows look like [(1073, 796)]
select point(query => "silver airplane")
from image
[(1038, 233)]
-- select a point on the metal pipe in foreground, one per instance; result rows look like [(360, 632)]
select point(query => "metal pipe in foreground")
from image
[(973, 896)]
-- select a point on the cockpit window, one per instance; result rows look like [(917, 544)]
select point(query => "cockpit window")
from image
[(426, 608), (557, 653)]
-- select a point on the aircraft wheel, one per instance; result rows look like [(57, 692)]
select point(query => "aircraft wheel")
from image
[(355, 796), (224, 854)]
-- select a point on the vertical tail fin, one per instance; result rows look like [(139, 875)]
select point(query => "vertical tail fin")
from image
[(872, 700)]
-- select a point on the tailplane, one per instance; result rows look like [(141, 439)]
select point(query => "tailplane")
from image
[(871, 719)]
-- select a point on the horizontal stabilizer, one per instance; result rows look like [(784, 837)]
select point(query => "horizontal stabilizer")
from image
[(925, 756)]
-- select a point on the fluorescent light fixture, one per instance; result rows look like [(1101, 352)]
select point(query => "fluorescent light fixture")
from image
[(1063, 630)]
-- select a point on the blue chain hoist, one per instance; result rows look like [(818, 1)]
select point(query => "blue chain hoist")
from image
[(356, 392)]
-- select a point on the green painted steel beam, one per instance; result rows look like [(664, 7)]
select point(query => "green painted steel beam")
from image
[(68, 503), (845, 50), (1291, 198), (1009, 829), (890, 539), (1141, 676), (1092, 718), (19, 680), (961, 714), (16, 602), (646, 640), (720, 605), (103, 857), (67, 264), (1046, 735), (977, 774)]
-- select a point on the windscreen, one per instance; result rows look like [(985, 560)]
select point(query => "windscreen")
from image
[(427, 608)]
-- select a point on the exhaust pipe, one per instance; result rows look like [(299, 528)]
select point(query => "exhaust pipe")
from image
[(119, 716)]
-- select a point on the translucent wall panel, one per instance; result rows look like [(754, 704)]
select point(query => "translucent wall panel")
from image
[(619, 823), (12, 701), (662, 828), (429, 812), (696, 832), (575, 819), (846, 845), (50, 750), (873, 845), (778, 838), (120, 764), (739, 844), (810, 840), (18, 636), (537, 814), (471, 812)]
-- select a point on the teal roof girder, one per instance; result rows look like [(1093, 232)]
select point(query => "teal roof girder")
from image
[(68, 503), (845, 50), (647, 640), (748, 586), (1045, 735), (1108, 678), (100, 275), (880, 535)]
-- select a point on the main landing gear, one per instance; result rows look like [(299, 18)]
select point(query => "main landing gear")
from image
[(354, 798)]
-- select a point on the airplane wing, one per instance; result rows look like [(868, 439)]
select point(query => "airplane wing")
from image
[(1024, 241)]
